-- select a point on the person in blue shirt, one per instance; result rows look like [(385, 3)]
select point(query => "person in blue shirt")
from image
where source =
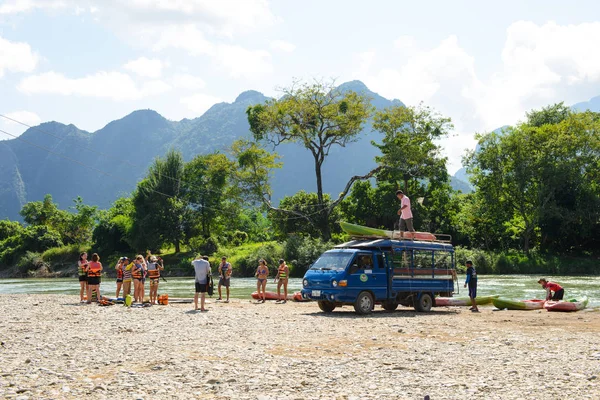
[(472, 282)]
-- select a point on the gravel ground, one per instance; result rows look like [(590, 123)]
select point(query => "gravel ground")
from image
[(52, 347)]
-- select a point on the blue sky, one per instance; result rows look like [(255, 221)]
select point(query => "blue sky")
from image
[(483, 64)]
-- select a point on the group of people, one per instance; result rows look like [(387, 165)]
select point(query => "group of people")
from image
[(202, 272), (554, 291), (134, 271)]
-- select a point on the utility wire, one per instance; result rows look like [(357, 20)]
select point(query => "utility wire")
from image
[(122, 180)]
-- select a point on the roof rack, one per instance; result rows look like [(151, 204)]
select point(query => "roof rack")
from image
[(411, 236)]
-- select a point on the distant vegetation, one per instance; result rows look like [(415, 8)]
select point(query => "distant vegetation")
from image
[(535, 207)]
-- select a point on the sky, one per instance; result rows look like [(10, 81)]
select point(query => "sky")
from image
[(483, 64)]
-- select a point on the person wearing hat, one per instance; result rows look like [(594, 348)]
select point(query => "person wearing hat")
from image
[(472, 282), (553, 290), (155, 265)]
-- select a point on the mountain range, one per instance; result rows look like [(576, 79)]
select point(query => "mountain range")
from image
[(100, 166)]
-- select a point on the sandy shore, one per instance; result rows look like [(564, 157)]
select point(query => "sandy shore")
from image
[(53, 347)]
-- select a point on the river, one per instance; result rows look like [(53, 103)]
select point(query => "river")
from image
[(509, 286)]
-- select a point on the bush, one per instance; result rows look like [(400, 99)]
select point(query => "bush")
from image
[(64, 254), (302, 251), (270, 252), (31, 262), (205, 246)]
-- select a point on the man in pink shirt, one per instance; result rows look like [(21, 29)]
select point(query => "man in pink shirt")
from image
[(406, 217), (553, 290)]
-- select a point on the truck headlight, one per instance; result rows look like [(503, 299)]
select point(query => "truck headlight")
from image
[(334, 283), (305, 282)]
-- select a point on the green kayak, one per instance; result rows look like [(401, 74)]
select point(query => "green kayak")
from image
[(533, 304), (463, 301)]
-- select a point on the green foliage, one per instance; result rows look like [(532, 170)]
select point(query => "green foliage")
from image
[(159, 211), (295, 215), (318, 116), (111, 234), (64, 254), (540, 182), (31, 261), (205, 246), (9, 228), (302, 251), (247, 262)]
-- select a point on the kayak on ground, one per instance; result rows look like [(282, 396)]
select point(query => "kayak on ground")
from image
[(273, 296), (569, 305), (533, 304), (463, 301)]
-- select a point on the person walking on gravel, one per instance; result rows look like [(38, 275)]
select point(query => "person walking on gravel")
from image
[(225, 271), (472, 282)]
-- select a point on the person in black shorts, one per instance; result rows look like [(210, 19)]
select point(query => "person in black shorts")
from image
[(472, 282), (202, 272), (224, 276)]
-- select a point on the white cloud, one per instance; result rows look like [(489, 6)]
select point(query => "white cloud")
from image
[(16, 57), (12, 127), (20, 6), (405, 42), (187, 81), (184, 37), (112, 85), (244, 63), (283, 46), (145, 67), (199, 103)]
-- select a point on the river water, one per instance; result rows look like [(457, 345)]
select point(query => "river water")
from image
[(509, 286)]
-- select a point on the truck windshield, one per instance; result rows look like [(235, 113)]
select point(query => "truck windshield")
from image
[(332, 261)]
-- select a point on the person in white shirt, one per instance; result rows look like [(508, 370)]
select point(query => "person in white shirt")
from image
[(405, 213), (202, 271)]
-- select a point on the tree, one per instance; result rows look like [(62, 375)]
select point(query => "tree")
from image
[(159, 210), (207, 188), (112, 233), (545, 177), (319, 117), (411, 159)]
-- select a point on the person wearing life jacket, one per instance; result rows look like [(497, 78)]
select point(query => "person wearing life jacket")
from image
[(155, 265), (94, 272), (262, 273), (225, 271), (82, 265), (283, 273), (138, 273), (553, 290), (127, 265), (119, 269)]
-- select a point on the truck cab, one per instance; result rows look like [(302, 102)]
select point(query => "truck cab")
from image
[(365, 272)]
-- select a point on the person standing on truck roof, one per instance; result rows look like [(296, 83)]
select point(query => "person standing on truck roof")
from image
[(405, 213), (472, 282)]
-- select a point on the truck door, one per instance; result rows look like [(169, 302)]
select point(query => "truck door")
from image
[(367, 272)]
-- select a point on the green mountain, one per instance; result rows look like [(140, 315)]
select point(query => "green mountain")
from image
[(106, 164)]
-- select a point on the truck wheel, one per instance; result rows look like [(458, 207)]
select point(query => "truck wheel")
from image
[(389, 305), (326, 306), (364, 303), (424, 303)]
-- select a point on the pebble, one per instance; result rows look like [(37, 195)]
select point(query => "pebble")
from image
[(295, 352)]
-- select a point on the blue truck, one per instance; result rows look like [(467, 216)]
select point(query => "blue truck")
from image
[(366, 272)]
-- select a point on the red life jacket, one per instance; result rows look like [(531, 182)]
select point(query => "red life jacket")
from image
[(94, 269)]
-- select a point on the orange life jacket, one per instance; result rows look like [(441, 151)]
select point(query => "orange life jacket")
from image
[(94, 269), (154, 273), (137, 273)]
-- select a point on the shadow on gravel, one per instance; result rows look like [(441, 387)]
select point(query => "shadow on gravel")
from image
[(349, 313)]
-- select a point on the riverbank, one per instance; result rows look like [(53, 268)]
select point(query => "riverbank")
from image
[(52, 347)]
